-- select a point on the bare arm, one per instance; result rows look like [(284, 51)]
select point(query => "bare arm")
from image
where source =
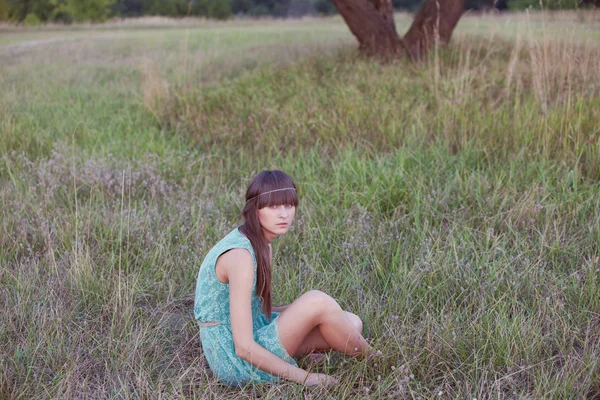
[(239, 268)]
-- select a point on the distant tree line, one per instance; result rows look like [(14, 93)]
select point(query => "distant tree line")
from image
[(32, 12)]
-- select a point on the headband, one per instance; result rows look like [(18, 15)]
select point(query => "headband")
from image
[(270, 191)]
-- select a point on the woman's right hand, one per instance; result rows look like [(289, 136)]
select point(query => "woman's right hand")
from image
[(314, 379)]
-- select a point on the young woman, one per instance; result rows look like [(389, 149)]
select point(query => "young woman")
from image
[(244, 338)]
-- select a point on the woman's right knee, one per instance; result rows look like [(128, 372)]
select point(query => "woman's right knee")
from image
[(319, 301)]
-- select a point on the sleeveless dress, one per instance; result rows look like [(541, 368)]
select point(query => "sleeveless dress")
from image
[(212, 305)]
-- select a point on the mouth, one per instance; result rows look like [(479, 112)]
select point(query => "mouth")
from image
[(282, 224)]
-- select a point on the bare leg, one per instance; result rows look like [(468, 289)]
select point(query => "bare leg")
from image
[(315, 343), (316, 309)]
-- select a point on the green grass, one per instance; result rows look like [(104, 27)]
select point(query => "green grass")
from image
[(454, 205)]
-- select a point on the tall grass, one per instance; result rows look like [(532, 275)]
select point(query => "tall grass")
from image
[(454, 205)]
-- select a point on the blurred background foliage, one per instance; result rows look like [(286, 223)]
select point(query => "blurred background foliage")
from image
[(33, 12)]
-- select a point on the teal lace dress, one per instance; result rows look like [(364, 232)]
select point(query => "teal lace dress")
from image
[(212, 305)]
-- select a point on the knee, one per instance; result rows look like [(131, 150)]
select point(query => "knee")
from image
[(356, 321), (320, 301)]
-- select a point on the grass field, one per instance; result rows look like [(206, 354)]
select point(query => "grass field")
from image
[(454, 205)]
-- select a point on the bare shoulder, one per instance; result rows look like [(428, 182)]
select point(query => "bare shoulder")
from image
[(234, 262), (236, 257)]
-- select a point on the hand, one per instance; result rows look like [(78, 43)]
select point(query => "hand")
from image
[(320, 380)]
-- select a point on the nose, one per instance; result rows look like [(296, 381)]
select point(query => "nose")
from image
[(283, 213)]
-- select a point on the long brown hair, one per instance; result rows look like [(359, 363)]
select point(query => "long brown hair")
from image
[(257, 198)]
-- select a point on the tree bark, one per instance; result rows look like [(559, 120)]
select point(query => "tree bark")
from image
[(372, 23), (25, 9), (435, 20)]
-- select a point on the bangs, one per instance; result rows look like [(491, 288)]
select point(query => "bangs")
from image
[(278, 198)]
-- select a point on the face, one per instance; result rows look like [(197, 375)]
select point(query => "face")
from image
[(276, 220)]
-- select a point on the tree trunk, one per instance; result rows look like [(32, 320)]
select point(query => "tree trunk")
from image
[(25, 9), (372, 23), (435, 20)]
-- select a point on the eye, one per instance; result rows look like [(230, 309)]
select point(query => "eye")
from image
[(289, 205), (273, 206)]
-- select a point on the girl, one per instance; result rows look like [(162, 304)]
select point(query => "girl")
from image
[(243, 337)]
